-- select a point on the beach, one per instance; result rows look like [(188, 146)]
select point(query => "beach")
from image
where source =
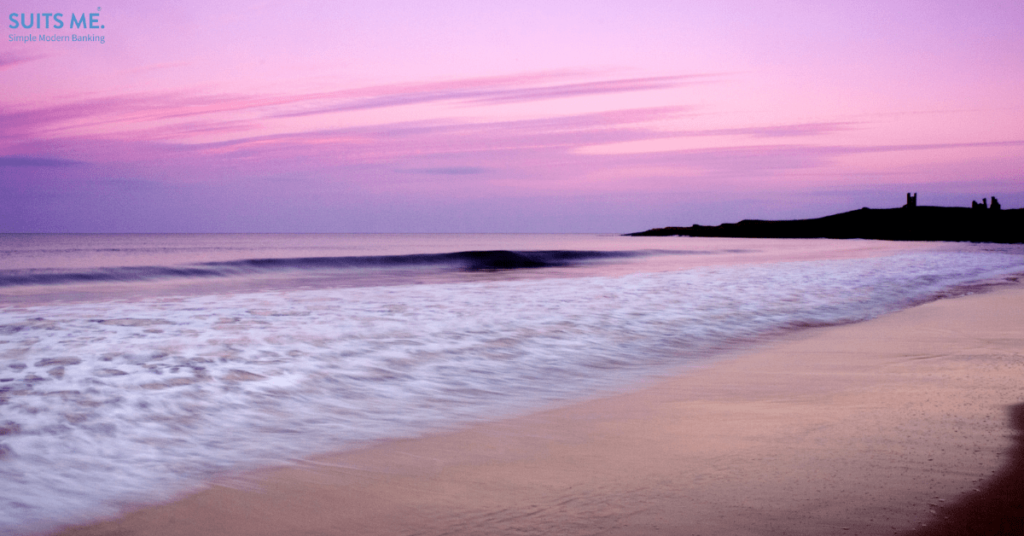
[(893, 425), (380, 268)]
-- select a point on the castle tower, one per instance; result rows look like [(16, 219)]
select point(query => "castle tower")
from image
[(911, 200)]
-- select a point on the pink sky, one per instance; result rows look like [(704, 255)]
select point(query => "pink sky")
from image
[(504, 117)]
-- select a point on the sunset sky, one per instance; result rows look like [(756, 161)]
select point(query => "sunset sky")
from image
[(377, 116)]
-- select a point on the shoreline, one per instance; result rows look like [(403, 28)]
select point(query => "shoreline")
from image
[(865, 428)]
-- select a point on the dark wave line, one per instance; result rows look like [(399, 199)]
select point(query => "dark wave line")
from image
[(460, 261)]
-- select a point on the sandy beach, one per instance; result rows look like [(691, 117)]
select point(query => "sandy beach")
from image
[(908, 423)]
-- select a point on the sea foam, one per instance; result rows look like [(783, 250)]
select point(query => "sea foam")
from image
[(108, 403)]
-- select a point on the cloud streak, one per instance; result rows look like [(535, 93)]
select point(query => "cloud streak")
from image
[(11, 59), (35, 161), (447, 170), (498, 91), (133, 112), (455, 148)]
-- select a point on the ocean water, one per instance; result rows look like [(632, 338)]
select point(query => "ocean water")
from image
[(134, 368)]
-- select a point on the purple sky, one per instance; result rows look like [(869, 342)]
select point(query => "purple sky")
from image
[(503, 116)]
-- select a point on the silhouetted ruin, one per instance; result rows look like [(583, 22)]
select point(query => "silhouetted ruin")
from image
[(911, 200), (985, 206), (983, 222)]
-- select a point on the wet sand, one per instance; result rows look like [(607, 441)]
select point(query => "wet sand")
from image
[(906, 423)]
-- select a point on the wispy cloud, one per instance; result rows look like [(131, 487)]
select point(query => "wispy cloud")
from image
[(121, 109), (35, 161), (165, 134), (10, 59), (591, 88), (928, 146), (786, 131), (394, 141), (490, 91), (133, 112), (466, 170)]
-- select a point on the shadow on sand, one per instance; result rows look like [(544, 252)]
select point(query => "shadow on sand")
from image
[(998, 508)]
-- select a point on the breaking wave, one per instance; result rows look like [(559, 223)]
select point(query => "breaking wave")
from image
[(459, 261)]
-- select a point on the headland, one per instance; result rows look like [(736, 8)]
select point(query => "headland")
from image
[(980, 223)]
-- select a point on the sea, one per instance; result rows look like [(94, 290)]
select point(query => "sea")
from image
[(137, 368)]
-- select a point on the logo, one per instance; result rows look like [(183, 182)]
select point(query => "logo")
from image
[(56, 21)]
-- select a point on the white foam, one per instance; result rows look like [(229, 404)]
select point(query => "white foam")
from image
[(135, 400)]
